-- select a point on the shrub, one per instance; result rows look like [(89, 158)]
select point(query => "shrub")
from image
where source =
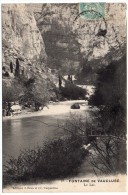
[(57, 159), (35, 91), (111, 84), (111, 95), (71, 91), (11, 93), (6, 74), (109, 156)]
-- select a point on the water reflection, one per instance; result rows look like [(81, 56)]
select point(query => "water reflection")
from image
[(24, 133), (19, 134)]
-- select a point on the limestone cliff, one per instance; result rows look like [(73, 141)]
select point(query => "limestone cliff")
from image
[(69, 41), (47, 35), (20, 32), (21, 39)]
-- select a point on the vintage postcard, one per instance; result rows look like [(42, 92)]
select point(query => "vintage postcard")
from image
[(64, 97)]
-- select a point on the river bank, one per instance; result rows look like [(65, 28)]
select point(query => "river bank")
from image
[(29, 130), (33, 130), (53, 109)]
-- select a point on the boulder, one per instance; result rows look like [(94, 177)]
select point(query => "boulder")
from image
[(75, 106)]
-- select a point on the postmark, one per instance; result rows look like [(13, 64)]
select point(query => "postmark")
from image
[(92, 11)]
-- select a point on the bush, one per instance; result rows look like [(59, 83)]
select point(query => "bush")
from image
[(5, 74), (109, 156), (111, 84), (11, 93), (110, 96), (56, 160), (35, 91), (71, 91)]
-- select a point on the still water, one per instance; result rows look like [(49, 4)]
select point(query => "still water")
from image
[(30, 132), (19, 134)]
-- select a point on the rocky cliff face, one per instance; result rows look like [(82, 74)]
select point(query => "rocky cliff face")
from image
[(95, 46), (20, 31), (56, 40), (69, 41), (21, 39), (62, 48)]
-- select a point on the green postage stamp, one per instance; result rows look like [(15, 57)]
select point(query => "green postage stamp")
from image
[(92, 11)]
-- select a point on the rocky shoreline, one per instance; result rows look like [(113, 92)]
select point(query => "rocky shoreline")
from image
[(54, 109)]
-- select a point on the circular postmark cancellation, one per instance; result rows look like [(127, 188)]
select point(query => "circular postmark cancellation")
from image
[(92, 11)]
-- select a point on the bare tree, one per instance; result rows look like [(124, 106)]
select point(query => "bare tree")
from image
[(105, 155)]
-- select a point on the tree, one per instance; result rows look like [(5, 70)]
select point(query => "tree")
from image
[(73, 92), (68, 77), (17, 67), (60, 82), (11, 67), (109, 149), (71, 79), (108, 155), (36, 92), (110, 95), (11, 93)]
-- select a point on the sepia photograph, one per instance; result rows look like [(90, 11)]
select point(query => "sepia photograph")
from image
[(64, 97)]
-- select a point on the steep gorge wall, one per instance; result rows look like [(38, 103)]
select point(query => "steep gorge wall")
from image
[(21, 39), (68, 42), (20, 31), (54, 40)]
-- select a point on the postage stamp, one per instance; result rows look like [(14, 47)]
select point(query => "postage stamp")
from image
[(92, 11)]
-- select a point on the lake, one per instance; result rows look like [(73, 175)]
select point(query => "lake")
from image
[(31, 131)]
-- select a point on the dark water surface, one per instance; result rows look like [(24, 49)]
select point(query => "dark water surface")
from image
[(30, 132), (19, 134)]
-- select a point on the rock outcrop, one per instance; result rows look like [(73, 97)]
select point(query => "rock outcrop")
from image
[(71, 40), (46, 36), (21, 39)]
